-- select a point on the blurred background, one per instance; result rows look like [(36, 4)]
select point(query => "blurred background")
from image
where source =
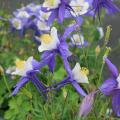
[(114, 21)]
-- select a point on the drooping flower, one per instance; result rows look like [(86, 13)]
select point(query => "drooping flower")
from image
[(111, 87), (106, 4), (26, 70)]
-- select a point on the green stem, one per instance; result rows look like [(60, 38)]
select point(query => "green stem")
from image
[(5, 81), (64, 105), (101, 72)]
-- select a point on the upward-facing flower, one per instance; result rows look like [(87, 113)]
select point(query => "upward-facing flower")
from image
[(106, 4), (57, 8), (61, 9), (111, 86), (79, 7), (51, 4)]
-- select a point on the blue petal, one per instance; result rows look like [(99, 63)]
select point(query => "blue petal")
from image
[(116, 102), (78, 88), (19, 85), (108, 86), (112, 68)]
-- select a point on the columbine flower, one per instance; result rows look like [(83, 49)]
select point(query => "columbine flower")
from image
[(80, 74), (111, 86), (49, 41), (22, 67), (51, 4), (27, 72), (75, 76), (33, 8), (17, 23), (58, 9), (79, 7), (44, 15), (59, 46), (107, 4), (78, 40), (22, 14), (41, 25)]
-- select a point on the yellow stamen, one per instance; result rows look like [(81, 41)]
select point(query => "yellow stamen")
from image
[(16, 24), (84, 71), (20, 64), (46, 38), (50, 2)]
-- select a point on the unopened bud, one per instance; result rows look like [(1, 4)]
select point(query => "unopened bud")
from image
[(97, 50), (107, 35)]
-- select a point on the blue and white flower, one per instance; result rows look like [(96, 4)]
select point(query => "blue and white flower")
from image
[(80, 74), (49, 41), (79, 7)]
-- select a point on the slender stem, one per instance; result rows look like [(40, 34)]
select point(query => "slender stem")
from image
[(58, 87), (64, 105), (83, 47), (5, 81), (101, 72)]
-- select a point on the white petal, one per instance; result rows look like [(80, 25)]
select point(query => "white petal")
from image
[(53, 44), (78, 75), (41, 25), (27, 67), (51, 4), (28, 64)]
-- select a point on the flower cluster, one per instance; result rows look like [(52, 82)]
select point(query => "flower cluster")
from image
[(40, 19)]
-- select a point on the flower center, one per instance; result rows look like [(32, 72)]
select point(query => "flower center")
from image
[(16, 23), (78, 8), (20, 64), (84, 71), (46, 38), (23, 14), (50, 2)]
